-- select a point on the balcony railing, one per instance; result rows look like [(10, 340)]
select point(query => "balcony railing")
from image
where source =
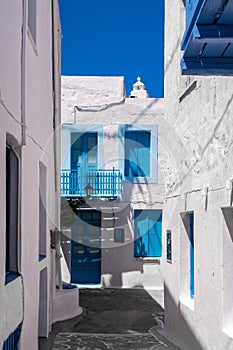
[(99, 183)]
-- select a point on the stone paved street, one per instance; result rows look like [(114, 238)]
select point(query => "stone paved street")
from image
[(143, 341), (115, 319)]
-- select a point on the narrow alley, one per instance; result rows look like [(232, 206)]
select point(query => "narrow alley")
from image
[(116, 319)]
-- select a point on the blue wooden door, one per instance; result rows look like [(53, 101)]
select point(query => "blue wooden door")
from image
[(83, 157), (137, 153), (191, 233), (86, 248), (147, 233)]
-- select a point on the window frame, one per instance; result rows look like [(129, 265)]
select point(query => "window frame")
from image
[(12, 167), (156, 213), (169, 246), (133, 140), (153, 129)]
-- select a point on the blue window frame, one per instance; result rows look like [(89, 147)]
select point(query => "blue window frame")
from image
[(147, 233), (84, 151), (191, 237), (12, 189), (169, 246), (208, 39), (138, 152), (77, 145)]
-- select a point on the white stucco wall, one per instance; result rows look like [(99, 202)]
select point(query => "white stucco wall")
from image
[(27, 90), (100, 104), (199, 145)]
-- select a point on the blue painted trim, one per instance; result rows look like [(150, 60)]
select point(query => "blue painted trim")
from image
[(207, 66), (208, 35), (41, 257), (12, 342), (11, 276), (67, 129), (147, 233), (169, 246), (189, 29), (217, 33), (122, 128), (191, 237)]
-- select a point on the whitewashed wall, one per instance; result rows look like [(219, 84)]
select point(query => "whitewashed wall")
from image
[(199, 142), (26, 88), (101, 101)]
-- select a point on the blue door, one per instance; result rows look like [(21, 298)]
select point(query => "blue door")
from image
[(86, 248), (191, 233), (147, 233), (83, 158)]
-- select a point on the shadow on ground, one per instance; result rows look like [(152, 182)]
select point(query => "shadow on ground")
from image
[(109, 311)]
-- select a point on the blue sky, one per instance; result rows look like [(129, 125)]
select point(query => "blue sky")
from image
[(107, 37)]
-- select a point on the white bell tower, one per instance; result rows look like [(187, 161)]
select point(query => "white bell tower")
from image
[(139, 90)]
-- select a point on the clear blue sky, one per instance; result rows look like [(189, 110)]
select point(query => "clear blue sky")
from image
[(109, 37)]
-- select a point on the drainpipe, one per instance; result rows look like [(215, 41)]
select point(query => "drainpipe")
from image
[(23, 71), (56, 74)]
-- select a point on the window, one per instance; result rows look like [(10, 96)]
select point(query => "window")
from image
[(12, 189), (147, 233), (84, 151), (42, 211), (119, 235), (137, 153), (208, 40), (32, 18), (169, 246)]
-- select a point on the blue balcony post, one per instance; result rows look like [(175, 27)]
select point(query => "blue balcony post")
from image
[(113, 181)]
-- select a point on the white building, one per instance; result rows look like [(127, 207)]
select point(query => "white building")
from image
[(112, 178), (198, 213), (29, 177)]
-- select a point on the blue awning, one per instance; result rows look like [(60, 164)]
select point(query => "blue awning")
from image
[(208, 40)]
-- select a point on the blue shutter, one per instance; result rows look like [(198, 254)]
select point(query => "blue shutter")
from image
[(155, 235), (132, 154), (138, 229), (137, 153), (12, 342), (76, 151), (143, 153), (191, 227), (90, 151), (147, 233)]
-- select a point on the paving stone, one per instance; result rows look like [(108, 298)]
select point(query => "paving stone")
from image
[(80, 341)]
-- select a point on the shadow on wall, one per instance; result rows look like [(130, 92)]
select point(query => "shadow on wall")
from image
[(175, 324), (114, 268)]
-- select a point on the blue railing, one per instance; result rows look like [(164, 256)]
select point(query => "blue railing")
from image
[(99, 183)]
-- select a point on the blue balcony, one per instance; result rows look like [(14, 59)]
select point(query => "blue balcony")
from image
[(99, 183), (208, 40)]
